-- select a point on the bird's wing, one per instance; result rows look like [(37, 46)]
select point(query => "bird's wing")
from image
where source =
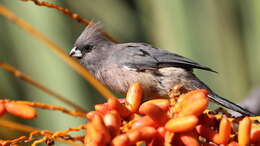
[(140, 56), (134, 58)]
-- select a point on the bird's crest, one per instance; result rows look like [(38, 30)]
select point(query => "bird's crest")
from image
[(91, 34)]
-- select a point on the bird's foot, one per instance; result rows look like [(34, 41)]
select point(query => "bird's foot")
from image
[(177, 90)]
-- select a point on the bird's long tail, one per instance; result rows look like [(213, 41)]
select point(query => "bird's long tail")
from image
[(228, 104)]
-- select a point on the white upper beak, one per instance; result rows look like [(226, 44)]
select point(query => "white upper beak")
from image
[(75, 53)]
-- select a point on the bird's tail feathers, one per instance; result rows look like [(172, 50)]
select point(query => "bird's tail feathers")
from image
[(228, 104)]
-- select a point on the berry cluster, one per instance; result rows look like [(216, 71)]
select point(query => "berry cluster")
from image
[(177, 121)]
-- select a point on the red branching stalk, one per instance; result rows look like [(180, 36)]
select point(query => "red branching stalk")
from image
[(19, 74), (70, 14), (17, 126), (18, 107), (47, 136), (56, 49)]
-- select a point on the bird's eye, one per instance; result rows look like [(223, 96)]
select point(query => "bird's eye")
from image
[(88, 47)]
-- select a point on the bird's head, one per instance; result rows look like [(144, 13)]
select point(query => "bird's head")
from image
[(90, 40)]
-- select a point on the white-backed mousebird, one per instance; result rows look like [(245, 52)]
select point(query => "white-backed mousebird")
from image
[(118, 65)]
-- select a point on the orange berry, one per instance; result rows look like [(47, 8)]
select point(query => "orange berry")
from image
[(197, 98), (206, 132), (112, 121), (114, 104), (224, 132), (134, 97), (255, 133), (90, 115), (164, 104), (20, 110), (134, 136), (94, 137), (244, 132), (100, 127), (142, 134), (121, 140), (193, 95), (182, 124), (189, 139), (195, 107), (148, 133), (155, 112), (102, 108), (144, 121)]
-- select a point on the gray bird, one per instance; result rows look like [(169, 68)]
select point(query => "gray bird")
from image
[(118, 65)]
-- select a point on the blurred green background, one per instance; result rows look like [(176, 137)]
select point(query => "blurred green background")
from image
[(222, 34)]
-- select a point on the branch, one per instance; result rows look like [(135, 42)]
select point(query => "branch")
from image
[(17, 73), (56, 49), (70, 14)]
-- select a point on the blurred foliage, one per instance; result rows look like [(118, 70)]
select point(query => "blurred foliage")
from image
[(220, 34)]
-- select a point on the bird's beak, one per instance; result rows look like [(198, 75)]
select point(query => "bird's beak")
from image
[(75, 53)]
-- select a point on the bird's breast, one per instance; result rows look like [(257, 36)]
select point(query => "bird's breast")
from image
[(155, 83)]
